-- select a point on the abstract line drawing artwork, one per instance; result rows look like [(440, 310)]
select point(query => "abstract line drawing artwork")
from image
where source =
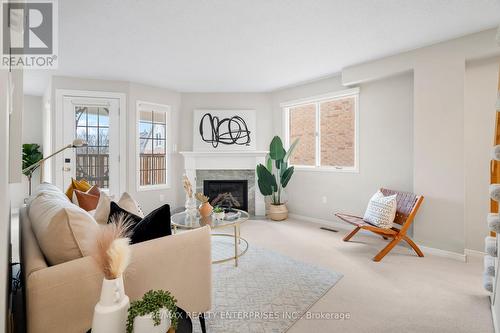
[(225, 130)]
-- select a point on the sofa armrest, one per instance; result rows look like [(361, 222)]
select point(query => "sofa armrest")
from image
[(181, 264), (61, 298)]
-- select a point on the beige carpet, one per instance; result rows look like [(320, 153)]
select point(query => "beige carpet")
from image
[(271, 289), (403, 293)]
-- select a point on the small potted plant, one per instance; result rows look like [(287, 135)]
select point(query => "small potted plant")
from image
[(219, 213), (154, 313), (205, 208)]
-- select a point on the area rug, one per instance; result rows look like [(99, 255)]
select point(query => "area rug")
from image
[(267, 292)]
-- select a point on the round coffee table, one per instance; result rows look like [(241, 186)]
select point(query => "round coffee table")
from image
[(184, 221)]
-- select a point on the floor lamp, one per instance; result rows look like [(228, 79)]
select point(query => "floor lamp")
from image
[(77, 143)]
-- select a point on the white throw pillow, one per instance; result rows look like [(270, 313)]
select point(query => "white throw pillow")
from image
[(126, 202), (64, 231), (45, 188), (381, 210)]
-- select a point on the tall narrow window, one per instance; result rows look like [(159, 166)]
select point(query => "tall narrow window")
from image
[(153, 152), (326, 129), (92, 161)]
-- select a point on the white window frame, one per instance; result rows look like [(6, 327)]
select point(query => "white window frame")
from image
[(354, 92), (168, 111), (53, 174)]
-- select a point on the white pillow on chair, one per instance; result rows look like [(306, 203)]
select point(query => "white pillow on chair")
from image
[(381, 210)]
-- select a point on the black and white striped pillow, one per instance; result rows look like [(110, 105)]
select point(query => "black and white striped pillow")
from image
[(381, 210)]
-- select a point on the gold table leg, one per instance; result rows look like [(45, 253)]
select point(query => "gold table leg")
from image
[(236, 245)]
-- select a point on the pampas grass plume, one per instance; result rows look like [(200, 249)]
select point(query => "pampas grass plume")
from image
[(112, 250), (119, 256)]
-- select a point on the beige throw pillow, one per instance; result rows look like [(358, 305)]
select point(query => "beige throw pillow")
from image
[(64, 231), (126, 202)]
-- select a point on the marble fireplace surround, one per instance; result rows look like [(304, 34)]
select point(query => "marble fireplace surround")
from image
[(227, 165)]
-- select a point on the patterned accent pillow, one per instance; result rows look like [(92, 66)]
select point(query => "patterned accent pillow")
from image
[(381, 210)]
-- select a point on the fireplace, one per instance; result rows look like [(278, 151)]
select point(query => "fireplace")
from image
[(227, 193)]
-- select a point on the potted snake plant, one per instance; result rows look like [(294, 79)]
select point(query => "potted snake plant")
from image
[(274, 177)]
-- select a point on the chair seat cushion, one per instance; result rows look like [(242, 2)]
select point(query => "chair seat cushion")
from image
[(354, 220), (359, 222)]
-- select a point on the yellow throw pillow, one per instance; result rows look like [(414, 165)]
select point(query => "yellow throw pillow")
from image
[(80, 185)]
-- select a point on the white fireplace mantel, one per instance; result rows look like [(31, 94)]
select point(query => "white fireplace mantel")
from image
[(225, 160)]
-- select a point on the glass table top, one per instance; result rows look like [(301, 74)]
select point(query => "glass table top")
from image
[(184, 221)]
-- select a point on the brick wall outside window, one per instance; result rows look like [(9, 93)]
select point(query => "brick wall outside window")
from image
[(337, 132), (303, 126)]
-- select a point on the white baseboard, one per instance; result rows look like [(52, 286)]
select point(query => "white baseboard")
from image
[(335, 224), (474, 253), (443, 253), (425, 249)]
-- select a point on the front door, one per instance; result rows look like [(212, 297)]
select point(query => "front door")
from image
[(97, 122)]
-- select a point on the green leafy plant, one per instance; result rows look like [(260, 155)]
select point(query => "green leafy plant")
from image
[(31, 156), (151, 303), (274, 177), (218, 209)]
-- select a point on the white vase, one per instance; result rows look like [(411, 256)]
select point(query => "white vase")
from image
[(145, 324), (110, 314), (219, 216)]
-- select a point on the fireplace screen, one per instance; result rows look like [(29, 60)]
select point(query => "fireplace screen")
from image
[(227, 193)]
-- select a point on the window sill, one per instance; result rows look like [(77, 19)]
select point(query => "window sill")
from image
[(153, 188), (325, 169)]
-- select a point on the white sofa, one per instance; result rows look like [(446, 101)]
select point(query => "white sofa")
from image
[(61, 298)]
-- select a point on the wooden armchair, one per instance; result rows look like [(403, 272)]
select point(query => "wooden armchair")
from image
[(407, 207)]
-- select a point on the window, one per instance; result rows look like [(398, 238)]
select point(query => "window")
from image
[(92, 161), (152, 141), (326, 127)]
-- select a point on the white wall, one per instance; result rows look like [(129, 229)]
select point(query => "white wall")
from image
[(257, 101), (151, 199), (439, 130), (72, 83), (31, 133), (47, 131), (481, 78), (16, 121), (260, 102), (416, 134), (385, 123), (4, 196), (148, 200), (439, 154)]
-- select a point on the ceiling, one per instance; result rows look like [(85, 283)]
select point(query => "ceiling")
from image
[(246, 45)]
